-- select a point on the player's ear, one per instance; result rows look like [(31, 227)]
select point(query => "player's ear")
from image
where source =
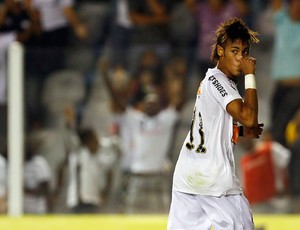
[(220, 50)]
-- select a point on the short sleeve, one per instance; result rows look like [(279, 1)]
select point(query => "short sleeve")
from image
[(44, 169), (222, 89), (169, 115)]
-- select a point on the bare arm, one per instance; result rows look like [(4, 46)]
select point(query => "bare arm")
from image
[(246, 111), (79, 29), (121, 104)]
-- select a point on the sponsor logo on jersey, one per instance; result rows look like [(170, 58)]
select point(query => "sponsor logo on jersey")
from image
[(218, 86), (232, 84)]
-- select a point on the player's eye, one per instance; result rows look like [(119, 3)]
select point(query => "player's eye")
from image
[(246, 53), (234, 51)]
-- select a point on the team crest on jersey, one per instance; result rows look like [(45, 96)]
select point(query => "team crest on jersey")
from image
[(218, 85)]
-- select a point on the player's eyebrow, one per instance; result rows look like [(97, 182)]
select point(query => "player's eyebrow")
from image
[(234, 47)]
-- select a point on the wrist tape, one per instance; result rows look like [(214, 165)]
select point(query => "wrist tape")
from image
[(250, 82)]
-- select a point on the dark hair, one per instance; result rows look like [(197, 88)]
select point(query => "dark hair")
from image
[(85, 135), (230, 31)]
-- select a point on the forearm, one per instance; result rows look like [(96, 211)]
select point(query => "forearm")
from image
[(250, 107), (72, 17), (113, 94)]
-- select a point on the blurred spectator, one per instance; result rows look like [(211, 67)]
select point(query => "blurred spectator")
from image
[(3, 184), (16, 24), (183, 32), (149, 167), (150, 19), (5, 41), (279, 179), (293, 141), (37, 177), (90, 170), (175, 77), (285, 69), (71, 143), (15, 16), (121, 80), (150, 61), (56, 18), (54, 146), (120, 37), (146, 130), (209, 14), (292, 132)]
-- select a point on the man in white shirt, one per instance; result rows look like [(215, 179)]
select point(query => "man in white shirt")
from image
[(206, 191), (89, 167), (56, 18), (37, 177)]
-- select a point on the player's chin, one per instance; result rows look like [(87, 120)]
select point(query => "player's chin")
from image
[(240, 73), (237, 73)]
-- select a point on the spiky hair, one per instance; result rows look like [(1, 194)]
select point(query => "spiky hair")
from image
[(230, 31)]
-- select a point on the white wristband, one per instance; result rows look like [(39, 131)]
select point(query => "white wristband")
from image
[(250, 82)]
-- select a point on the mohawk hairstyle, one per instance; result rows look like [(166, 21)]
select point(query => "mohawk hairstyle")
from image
[(230, 31)]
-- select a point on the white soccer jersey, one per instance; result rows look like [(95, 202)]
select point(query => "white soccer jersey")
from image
[(151, 139), (206, 163)]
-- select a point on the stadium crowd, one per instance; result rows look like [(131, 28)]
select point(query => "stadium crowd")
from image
[(109, 86)]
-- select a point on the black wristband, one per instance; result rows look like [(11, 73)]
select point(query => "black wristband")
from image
[(241, 131)]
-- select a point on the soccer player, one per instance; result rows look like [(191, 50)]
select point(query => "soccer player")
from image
[(206, 191)]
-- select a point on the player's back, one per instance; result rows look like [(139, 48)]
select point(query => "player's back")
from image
[(206, 165)]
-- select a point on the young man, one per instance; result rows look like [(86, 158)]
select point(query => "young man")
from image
[(206, 191), (90, 173)]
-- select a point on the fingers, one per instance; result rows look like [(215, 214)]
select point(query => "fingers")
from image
[(248, 64), (250, 59), (257, 131)]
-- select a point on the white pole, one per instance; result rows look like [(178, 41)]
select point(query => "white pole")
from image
[(15, 129)]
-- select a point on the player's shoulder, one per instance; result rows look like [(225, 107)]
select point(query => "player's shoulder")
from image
[(214, 74)]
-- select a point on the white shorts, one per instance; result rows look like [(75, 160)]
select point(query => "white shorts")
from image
[(198, 212)]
